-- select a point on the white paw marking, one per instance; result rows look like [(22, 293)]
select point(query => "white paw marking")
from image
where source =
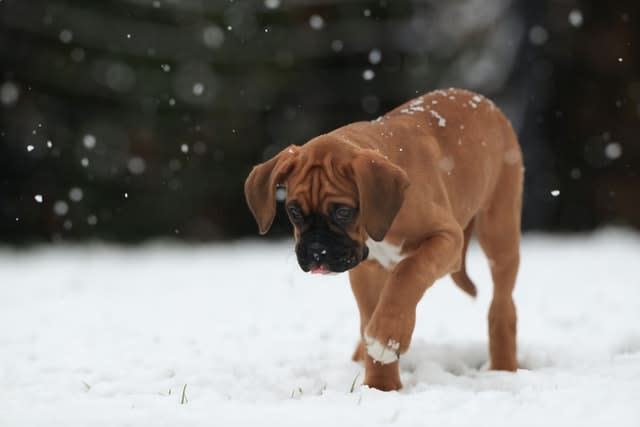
[(385, 253), (384, 354)]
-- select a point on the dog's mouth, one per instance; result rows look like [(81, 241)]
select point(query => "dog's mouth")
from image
[(331, 265), (323, 251), (320, 269)]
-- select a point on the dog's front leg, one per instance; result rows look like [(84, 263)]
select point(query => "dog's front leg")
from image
[(388, 332)]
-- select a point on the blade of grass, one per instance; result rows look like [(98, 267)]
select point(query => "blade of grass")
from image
[(353, 384), (183, 398)]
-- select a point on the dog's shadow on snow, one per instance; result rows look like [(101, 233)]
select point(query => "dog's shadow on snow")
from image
[(462, 364)]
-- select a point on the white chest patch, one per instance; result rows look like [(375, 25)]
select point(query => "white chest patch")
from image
[(385, 253)]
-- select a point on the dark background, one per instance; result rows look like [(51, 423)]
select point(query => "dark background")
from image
[(127, 120)]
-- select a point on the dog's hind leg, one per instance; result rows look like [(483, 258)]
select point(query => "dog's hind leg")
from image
[(498, 228), (460, 277)]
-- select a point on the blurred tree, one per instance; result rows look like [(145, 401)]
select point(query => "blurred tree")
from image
[(590, 67), (134, 119)]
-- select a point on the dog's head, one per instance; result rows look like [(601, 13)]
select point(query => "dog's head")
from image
[(337, 196)]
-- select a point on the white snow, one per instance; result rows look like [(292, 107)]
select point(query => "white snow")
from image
[(414, 106), (446, 164), (281, 194), (89, 141), (103, 336), (213, 36), (538, 35), (76, 194), (441, 120), (575, 173), (368, 74), (9, 93), (337, 45), (575, 17), (375, 56), (92, 220), (613, 150), (136, 165), (383, 354), (511, 156), (60, 208), (65, 36), (316, 22), (197, 89)]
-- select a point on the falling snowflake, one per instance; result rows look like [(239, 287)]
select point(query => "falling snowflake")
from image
[(316, 22), (368, 74), (613, 150), (9, 93), (575, 18), (65, 36), (89, 141), (198, 89), (538, 35), (375, 56), (76, 194), (60, 208)]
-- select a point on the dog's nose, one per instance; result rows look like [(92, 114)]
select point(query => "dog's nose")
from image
[(317, 251)]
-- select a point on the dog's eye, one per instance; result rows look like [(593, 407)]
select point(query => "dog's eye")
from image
[(295, 214), (343, 214)]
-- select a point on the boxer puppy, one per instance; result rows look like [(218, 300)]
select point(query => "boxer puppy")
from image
[(394, 201)]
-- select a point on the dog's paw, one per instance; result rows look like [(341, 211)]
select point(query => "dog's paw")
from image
[(382, 353), (388, 334)]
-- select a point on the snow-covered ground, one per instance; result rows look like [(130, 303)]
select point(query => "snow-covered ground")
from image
[(105, 336)]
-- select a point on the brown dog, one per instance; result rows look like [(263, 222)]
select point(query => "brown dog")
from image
[(395, 202)]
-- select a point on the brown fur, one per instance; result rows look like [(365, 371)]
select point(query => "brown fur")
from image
[(423, 176)]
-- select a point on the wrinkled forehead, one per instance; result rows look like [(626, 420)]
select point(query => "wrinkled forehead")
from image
[(317, 185)]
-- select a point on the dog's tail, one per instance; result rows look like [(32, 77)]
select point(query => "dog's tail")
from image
[(460, 277)]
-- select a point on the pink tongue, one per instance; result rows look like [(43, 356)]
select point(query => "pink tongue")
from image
[(319, 270)]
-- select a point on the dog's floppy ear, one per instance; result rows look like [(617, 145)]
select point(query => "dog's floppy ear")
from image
[(260, 186), (381, 186)]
